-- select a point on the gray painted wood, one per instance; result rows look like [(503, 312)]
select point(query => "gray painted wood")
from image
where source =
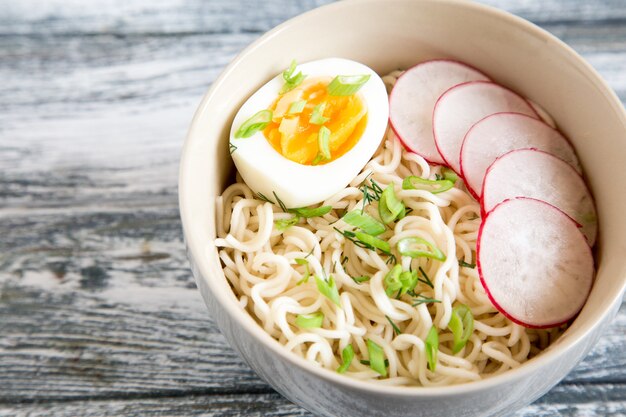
[(99, 313)]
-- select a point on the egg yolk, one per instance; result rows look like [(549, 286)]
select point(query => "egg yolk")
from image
[(296, 138)]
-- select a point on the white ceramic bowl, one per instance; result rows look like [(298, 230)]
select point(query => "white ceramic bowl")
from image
[(387, 35)]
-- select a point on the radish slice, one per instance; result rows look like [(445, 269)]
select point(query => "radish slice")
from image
[(540, 175), (465, 104), (500, 133), (413, 99), (534, 263)]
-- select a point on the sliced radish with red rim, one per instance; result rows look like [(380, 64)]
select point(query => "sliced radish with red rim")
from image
[(534, 263), (459, 108), (413, 99), (500, 133), (540, 175)]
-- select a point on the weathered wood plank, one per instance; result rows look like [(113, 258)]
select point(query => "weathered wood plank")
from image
[(222, 16), (111, 113), (96, 298), (576, 400), (101, 304)]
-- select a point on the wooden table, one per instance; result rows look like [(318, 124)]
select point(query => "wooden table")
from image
[(99, 314)]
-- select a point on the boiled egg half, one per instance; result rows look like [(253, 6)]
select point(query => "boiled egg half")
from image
[(309, 135)]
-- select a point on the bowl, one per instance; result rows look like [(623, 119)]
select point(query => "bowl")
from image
[(387, 35)]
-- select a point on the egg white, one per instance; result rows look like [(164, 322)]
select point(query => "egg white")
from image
[(267, 172)]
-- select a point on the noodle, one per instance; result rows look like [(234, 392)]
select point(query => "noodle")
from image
[(259, 263)]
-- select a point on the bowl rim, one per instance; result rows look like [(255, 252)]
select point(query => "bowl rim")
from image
[(195, 245)]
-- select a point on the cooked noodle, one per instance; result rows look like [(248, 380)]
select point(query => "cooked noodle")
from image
[(259, 262)]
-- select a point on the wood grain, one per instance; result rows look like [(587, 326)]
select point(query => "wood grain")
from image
[(99, 312), (597, 400), (34, 17)]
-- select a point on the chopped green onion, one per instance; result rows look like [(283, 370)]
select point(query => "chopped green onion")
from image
[(409, 246), (317, 116), (258, 121), (462, 325), (389, 207), (328, 289), (365, 222), (284, 224), (361, 279), (232, 147), (347, 355), (297, 106), (310, 321), (307, 212), (466, 265), (408, 279), (363, 240), (347, 85), (413, 182), (396, 329), (392, 280), (432, 348), (307, 272), (449, 175), (373, 241), (323, 141), (291, 81), (377, 358), (422, 299)]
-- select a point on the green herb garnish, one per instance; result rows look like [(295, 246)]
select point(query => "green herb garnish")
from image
[(328, 289), (432, 348), (365, 222), (347, 85), (392, 280), (462, 325), (284, 224), (291, 80), (363, 240), (317, 116), (389, 207), (377, 358), (307, 272), (361, 279), (297, 106), (347, 355), (232, 147), (449, 175), (257, 122), (307, 212), (422, 299), (323, 143), (396, 329), (310, 321), (426, 280), (410, 246), (413, 182), (466, 265)]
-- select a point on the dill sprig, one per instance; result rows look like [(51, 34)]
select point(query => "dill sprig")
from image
[(426, 280), (371, 192), (396, 329), (466, 265), (422, 299), (232, 147), (353, 237)]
